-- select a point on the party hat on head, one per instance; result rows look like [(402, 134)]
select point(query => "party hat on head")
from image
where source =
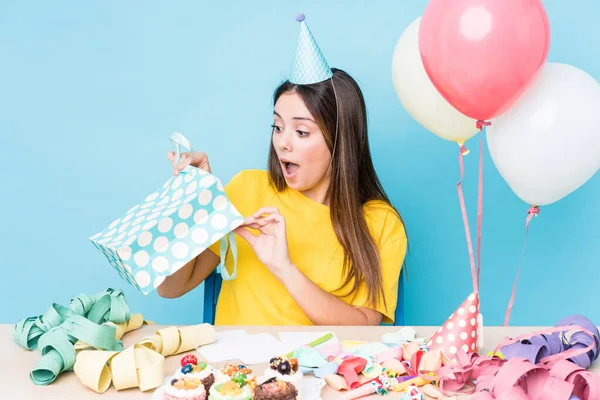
[(309, 64)]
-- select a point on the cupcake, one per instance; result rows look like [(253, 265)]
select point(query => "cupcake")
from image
[(275, 389), (229, 370), (232, 390), (191, 368), (184, 389), (285, 370)]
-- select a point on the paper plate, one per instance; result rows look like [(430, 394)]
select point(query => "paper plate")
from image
[(158, 392)]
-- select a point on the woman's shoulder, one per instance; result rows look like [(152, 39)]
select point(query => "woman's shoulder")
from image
[(249, 189), (250, 177), (249, 183), (378, 208), (383, 219)]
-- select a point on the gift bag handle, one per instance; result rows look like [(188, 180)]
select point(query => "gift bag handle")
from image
[(223, 247), (180, 141)]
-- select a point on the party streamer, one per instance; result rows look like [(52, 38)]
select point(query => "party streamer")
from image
[(556, 373), (85, 322)]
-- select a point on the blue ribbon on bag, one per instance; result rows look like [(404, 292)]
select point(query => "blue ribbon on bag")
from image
[(223, 247), (180, 141), (228, 240)]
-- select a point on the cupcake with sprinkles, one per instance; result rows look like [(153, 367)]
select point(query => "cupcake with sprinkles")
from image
[(285, 369), (229, 370), (191, 368), (184, 388), (238, 388), (275, 389)]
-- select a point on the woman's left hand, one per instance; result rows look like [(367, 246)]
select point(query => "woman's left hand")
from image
[(270, 245)]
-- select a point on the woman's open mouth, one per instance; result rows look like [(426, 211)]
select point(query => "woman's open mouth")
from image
[(289, 168)]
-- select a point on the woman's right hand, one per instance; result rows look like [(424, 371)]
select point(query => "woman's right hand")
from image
[(196, 159)]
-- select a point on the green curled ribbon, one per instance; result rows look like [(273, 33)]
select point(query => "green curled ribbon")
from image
[(56, 331), (58, 355)]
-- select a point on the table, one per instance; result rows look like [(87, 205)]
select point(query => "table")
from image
[(16, 362)]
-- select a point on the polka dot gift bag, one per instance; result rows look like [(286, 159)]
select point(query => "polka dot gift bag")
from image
[(174, 224)]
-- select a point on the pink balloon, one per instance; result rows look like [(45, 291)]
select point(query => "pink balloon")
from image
[(482, 55)]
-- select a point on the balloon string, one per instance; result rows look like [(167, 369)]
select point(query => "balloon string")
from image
[(480, 125), (532, 212), (475, 272), (463, 150)]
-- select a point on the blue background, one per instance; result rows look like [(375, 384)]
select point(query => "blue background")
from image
[(89, 94)]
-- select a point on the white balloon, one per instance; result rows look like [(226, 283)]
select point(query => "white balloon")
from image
[(418, 95), (548, 144)]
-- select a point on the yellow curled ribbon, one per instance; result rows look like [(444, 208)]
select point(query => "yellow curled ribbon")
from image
[(142, 364)]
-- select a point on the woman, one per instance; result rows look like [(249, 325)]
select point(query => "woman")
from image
[(321, 244)]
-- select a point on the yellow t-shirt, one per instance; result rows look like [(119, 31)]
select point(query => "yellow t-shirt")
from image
[(256, 297)]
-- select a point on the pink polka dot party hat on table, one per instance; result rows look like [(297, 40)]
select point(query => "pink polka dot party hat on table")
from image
[(461, 331)]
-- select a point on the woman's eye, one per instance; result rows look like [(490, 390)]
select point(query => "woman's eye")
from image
[(302, 133), (276, 128)]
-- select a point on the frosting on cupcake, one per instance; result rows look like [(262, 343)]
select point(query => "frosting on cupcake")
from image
[(231, 369), (199, 371), (231, 390), (191, 368), (275, 389), (284, 365), (185, 388), (285, 370), (234, 382)]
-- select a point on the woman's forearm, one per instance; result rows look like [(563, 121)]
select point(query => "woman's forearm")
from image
[(321, 307), (189, 276)]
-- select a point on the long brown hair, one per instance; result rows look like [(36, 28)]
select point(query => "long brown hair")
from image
[(354, 181)]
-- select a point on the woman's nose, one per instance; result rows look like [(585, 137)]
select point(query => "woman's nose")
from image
[(285, 141)]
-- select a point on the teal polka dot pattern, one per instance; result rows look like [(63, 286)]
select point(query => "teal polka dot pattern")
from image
[(174, 224)]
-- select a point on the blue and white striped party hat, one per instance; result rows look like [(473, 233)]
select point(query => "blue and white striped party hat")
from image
[(309, 64)]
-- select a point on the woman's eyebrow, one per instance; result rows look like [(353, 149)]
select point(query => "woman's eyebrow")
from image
[(304, 119), (296, 118)]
